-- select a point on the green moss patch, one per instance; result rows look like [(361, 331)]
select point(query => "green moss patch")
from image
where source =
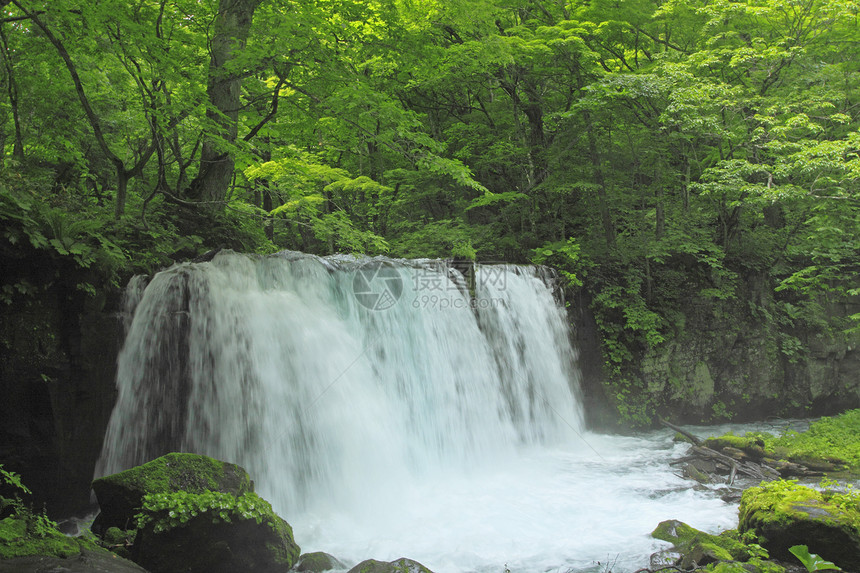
[(121, 495), (401, 565), (192, 473), (783, 514), (317, 562), (18, 538), (724, 552), (830, 445)]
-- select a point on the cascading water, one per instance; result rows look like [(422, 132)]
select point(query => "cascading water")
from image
[(390, 408)]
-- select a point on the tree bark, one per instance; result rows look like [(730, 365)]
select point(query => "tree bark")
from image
[(12, 87), (599, 177), (232, 26)]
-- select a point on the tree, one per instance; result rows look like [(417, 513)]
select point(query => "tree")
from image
[(231, 29)]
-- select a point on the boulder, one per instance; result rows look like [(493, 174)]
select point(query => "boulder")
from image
[(318, 562), (120, 495), (213, 532), (784, 514), (697, 548), (402, 565)]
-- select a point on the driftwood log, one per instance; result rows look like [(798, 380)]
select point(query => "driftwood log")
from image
[(704, 464)]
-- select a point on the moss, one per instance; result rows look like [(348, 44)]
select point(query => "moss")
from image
[(728, 568), (19, 540), (724, 552), (785, 501), (178, 471), (716, 551), (752, 445), (401, 565), (685, 538), (783, 514), (830, 445), (211, 532), (751, 566), (117, 536), (317, 562), (121, 495)]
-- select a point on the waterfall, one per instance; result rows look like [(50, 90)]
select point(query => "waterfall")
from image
[(327, 378), (394, 408)]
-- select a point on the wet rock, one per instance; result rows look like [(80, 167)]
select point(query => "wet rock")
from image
[(697, 547), (120, 495), (49, 551), (317, 562), (692, 472), (85, 562), (784, 514), (204, 544), (402, 565)]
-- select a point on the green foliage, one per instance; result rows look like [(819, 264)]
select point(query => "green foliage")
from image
[(165, 511), (662, 155), (830, 438), (564, 256), (831, 441), (782, 499), (811, 561), (27, 532), (337, 209)]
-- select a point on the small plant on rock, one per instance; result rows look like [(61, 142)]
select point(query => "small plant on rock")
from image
[(811, 561)]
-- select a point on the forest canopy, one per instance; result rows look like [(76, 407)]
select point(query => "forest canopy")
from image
[(651, 150)]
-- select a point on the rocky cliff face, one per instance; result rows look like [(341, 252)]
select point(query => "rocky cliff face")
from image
[(740, 359), (58, 350)]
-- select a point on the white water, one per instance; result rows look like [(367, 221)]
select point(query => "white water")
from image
[(438, 427)]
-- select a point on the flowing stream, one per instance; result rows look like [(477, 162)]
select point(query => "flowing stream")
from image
[(395, 408)]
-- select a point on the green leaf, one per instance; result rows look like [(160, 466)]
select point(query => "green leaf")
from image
[(811, 561)]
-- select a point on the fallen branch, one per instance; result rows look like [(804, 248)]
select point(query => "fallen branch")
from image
[(681, 431)]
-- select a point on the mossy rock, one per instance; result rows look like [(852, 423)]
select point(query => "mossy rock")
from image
[(205, 542), (17, 541), (784, 514), (318, 562), (402, 565), (120, 495), (752, 566), (22, 551), (699, 547)]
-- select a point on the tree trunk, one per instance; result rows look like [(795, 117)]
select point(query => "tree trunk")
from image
[(232, 27), (12, 87), (600, 179), (121, 189)]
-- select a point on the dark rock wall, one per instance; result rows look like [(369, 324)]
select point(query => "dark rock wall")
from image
[(732, 360), (58, 349)]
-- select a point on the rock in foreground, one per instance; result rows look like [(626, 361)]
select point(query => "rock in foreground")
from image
[(402, 565), (194, 514), (213, 533), (85, 562), (694, 548), (120, 495), (317, 562), (784, 514)]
